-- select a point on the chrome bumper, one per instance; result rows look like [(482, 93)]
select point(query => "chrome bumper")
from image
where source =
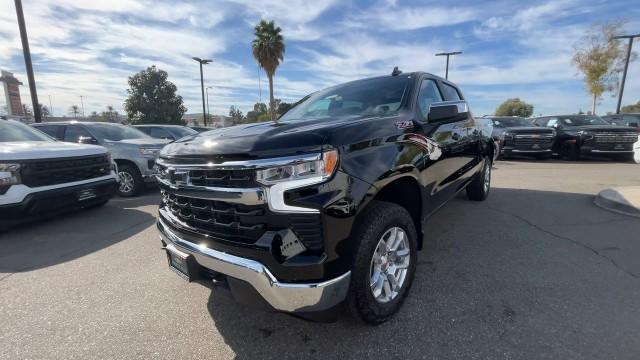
[(289, 297)]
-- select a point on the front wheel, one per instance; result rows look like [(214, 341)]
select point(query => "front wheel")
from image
[(478, 189), (385, 262), (130, 181)]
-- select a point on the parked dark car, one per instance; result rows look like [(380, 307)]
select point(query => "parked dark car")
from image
[(133, 151), (578, 135), (517, 136), (328, 204), (632, 120), (168, 132)]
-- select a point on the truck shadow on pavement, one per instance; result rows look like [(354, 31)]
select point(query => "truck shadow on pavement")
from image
[(509, 277), (32, 246)]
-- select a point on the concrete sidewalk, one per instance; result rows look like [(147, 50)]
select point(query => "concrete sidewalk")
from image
[(624, 199)]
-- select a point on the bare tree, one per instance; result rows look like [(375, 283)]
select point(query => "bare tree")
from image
[(600, 59)]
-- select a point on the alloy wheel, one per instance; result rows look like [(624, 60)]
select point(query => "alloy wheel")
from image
[(126, 182), (389, 265)]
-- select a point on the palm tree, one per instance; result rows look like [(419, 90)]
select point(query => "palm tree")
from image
[(268, 50), (74, 110)]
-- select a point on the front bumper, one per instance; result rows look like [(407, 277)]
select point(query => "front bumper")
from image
[(53, 201), (282, 296)]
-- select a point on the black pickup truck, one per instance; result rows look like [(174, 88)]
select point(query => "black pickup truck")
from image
[(578, 135), (326, 206), (517, 136)]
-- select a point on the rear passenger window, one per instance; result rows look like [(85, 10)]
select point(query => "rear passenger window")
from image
[(51, 130), (450, 93)]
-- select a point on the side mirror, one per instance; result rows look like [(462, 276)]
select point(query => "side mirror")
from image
[(87, 140), (448, 111)]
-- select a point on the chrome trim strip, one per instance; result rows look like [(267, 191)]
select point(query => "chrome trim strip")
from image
[(288, 297), (611, 151), (247, 196), (247, 164)]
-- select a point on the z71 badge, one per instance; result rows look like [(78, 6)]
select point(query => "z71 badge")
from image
[(407, 124)]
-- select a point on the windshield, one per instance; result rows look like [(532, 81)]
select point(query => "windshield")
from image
[(15, 131), (116, 132), (380, 96), (582, 120), (180, 132), (510, 122)]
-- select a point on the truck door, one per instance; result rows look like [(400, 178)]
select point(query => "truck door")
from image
[(445, 168)]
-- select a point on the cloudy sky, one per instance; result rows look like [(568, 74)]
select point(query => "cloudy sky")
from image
[(511, 48)]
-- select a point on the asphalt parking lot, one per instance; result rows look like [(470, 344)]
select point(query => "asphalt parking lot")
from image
[(536, 271)]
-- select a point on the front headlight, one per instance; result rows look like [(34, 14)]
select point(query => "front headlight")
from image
[(507, 135), (587, 135), (9, 174), (151, 152), (312, 171)]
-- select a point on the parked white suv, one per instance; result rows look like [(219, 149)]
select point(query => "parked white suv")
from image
[(42, 177)]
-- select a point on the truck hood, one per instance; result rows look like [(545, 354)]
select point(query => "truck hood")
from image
[(27, 150), (142, 142), (266, 138)]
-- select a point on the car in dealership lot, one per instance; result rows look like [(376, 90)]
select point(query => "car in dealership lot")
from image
[(632, 120), (517, 136), (578, 135), (169, 132), (132, 150), (42, 177), (327, 205)]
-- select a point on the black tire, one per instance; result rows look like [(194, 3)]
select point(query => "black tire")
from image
[(478, 189), (379, 218), (137, 182), (570, 152)]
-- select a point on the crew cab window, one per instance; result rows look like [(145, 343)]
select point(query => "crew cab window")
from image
[(551, 122), (73, 133), (428, 95), (159, 133), (450, 93), (54, 131)]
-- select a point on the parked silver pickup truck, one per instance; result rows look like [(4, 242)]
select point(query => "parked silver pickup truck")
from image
[(132, 150)]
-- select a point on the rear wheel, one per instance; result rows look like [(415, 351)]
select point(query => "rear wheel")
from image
[(384, 264), (130, 181), (478, 189)]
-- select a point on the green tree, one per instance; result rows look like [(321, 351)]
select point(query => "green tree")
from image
[(600, 59), (153, 99), (629, 109), (236, 115), (74, 110), (268, 50), (514, 107), (283, 107)]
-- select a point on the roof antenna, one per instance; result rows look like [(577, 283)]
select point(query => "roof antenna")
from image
[(396, 71)]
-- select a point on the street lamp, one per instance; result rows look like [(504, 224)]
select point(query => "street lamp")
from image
[(447, 54), (626, 66), (82, 104), (202, 62), (207, 90)]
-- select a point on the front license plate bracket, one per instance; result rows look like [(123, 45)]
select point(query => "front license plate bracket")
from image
[(183, 264)]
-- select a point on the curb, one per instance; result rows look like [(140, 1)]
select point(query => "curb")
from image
[(614, 200)]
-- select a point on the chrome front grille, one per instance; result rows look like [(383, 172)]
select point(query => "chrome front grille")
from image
[(533, 141), (229, 221), (616, 137)]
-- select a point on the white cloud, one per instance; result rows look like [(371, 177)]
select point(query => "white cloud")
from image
[(392, 17)]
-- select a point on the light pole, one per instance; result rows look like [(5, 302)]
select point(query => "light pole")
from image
[(27, 62), (202, 62), (50, 107), (626, 66), (82, 103), (208, 87), (447, 54)]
